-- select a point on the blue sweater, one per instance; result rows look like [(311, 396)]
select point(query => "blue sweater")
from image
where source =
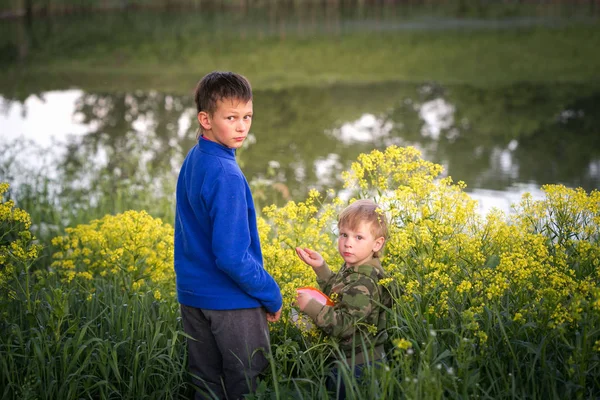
[(218, 260)]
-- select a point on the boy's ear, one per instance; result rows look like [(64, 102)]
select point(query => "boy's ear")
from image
[(204, 120), (378, 243)]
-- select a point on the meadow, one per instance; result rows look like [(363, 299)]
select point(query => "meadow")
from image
[(496, 306)]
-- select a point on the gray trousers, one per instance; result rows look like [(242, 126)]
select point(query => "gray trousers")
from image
[(226, 354)]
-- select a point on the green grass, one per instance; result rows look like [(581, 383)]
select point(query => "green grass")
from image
[(60, 341), (114, 345), (483, 57)]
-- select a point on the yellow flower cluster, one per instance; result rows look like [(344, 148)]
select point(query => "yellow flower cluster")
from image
[(386, 170), (539, 265), (402, 347), (133, 249), (298, 225), (17, 245), (402, 344), (563, 243)]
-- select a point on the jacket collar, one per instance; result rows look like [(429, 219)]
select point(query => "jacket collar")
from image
[(215, 149), (373, 262)]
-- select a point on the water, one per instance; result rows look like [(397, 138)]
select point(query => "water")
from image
[(502, 140)]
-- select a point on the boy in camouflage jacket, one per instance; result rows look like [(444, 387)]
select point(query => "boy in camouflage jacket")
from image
[(357, 319)]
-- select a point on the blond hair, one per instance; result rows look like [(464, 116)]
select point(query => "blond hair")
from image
[(365, 211)]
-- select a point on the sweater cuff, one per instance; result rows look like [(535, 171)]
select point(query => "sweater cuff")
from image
[(313, 308), (323, 272), (274, 306)]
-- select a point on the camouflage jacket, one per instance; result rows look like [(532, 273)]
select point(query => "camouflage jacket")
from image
[(358, 312)]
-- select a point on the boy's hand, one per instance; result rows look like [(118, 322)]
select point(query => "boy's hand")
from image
[(310, 257), (274, 317), (302, 300)]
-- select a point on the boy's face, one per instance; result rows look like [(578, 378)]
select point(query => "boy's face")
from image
[(229, 124), (357, 246)]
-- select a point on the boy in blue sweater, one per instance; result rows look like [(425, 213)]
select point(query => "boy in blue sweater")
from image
[(226, 295)]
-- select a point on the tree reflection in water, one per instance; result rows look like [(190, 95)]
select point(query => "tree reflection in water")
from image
[(493, 139)]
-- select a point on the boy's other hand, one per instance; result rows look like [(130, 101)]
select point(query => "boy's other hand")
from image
[(274, 317), (310, 257)]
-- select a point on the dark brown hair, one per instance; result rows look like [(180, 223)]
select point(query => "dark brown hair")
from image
[(217, 86)]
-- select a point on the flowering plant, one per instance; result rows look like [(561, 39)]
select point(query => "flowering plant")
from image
[(132, 249), (18, 247), (453, 266)]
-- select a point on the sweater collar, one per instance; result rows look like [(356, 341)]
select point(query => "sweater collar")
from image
[(215, 149)]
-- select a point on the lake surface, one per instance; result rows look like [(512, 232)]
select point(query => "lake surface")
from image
[(502, 140)]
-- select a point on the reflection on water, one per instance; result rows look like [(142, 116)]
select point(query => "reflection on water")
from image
[(500, 140), (303, 138)]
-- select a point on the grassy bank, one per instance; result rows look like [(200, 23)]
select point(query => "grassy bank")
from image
[(173, 63)]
